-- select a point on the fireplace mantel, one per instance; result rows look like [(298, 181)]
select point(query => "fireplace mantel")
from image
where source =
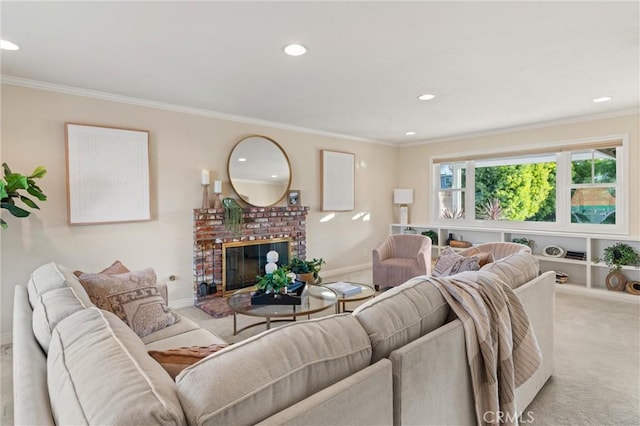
[(260, 223)]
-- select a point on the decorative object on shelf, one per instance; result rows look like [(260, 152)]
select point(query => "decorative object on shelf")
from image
[(575, 255), (524, 241), (217, 191), (553, 251), (459, 244), (403, 197), (616, 281), (633, 287), (433, 235), (306, 270), (562, 277), (619, 255), (272, 260), (233, 219), (205, 189), (451, 238), (15, 182), (293, 198), (409, 230)]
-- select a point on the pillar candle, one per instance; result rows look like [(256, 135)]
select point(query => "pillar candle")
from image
[(217, 187), (205, 177)]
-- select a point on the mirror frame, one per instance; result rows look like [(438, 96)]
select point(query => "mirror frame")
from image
[(286, 157)]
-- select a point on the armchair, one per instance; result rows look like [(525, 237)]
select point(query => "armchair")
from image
[(399, 258)]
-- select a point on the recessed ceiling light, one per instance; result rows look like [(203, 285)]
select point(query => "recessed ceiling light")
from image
[(7, 45), (242, 159), (409, 133), (274, 176), (602, 99), (426, 97), (295, 49)]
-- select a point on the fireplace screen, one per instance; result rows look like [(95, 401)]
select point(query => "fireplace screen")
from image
[(243, 261)]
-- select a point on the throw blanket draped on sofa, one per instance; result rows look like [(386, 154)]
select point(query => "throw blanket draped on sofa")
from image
[(502, 350)]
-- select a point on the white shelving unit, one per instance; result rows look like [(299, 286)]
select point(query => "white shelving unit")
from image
[(586, 276)]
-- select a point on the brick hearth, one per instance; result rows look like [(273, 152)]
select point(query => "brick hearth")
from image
[(260, 223)]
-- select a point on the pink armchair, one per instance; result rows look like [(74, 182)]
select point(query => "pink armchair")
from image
[(399, 258)]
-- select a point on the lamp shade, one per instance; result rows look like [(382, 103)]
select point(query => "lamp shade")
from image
[(403, 196)]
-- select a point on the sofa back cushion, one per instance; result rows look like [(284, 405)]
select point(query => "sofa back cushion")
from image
[(258, 377), (52, 276), (401, 315), (51, 308), (99, 372), (515, 269)]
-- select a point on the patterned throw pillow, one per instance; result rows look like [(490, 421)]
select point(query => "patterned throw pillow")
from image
[(133, 297), (176, 360), (116, 268), (449, 263)]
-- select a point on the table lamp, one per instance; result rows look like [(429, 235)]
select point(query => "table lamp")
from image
[(403, 197)]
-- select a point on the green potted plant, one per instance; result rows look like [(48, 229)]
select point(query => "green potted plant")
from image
[(620, 254), (233, 219), (273, 282), (524, 241), (431, 234), (306, 270), (271, 289), (10, 187)]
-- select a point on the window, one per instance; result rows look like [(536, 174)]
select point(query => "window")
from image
[(575, 186)]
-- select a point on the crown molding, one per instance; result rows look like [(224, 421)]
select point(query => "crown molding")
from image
[(105, 96), (532, 126)]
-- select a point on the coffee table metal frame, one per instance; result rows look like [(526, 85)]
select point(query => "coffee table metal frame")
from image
[(287, 312), (367, 293)]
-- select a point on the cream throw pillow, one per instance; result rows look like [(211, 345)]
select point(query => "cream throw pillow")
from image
[(133, 297)]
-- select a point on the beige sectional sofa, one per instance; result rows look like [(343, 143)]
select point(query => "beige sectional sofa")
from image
[(398, 359)]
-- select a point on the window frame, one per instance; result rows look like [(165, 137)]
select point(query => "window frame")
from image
[(562, 151)]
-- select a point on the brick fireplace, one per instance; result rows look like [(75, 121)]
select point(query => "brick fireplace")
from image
[(260, 223)]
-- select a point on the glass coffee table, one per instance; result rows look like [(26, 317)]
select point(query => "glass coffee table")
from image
[(366, 292), (319, 298)]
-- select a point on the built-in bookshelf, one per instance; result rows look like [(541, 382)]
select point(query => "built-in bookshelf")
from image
[(585, 276)]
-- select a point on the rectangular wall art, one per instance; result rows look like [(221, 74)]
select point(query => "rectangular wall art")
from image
[(107, 174), (338, 181)]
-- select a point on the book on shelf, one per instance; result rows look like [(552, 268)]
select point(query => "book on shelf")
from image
[(344, 289)]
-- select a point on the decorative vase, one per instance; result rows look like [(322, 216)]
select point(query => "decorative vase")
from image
[(616, 281), (633, 287), (306, 278)]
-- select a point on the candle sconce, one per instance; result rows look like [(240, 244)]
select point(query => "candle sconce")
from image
[(217, 190), (205, 189)]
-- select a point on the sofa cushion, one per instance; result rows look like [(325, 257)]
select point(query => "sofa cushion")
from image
[(50, 308), (515, 269), (99, 373), (176, 360), (115, 268), (401, 315), (52, 276), (133, 297), (258, 377)]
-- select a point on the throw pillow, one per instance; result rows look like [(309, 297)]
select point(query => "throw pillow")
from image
[(447, 263), (176, 360), (484, 257), (116, 268), (133, 297)]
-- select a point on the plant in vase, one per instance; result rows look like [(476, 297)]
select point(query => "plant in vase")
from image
[(617, 256), (273, 282), (306, 270), (233, 219)]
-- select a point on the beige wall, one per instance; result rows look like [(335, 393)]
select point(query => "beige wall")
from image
[(414, 171), (181, 145)]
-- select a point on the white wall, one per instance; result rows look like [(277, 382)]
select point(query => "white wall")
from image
[(181, 145), (414, 171)]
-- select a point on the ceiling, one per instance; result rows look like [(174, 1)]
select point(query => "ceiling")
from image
[(491, 65)]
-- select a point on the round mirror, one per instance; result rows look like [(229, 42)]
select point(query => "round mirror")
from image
[(259, 171)]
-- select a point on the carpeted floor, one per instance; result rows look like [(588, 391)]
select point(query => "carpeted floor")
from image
[(597, 372)]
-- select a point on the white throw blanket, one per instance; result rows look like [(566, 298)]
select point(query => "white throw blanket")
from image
[(502, 350)]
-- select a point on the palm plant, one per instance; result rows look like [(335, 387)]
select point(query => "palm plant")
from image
[(491, 210)]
